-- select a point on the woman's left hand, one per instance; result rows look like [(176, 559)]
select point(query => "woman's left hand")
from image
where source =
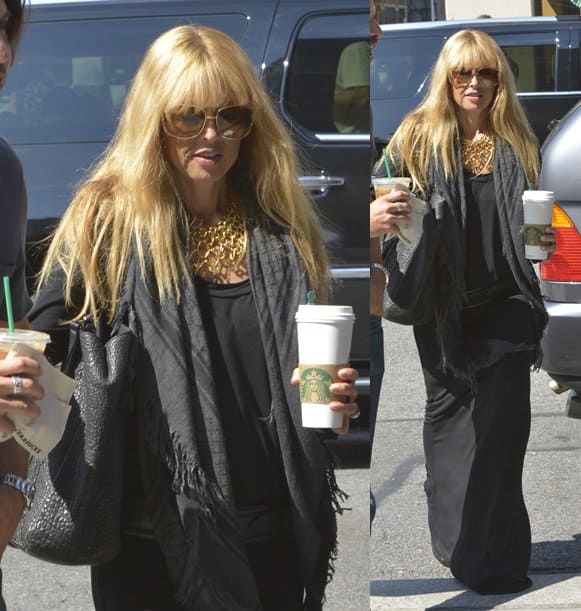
[(345, 393), (549, 241)]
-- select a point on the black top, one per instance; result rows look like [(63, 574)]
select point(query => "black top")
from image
[(487, 272), (243, 392)]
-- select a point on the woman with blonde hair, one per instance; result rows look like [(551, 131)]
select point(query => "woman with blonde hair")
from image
[(229, 502), (471, 153)]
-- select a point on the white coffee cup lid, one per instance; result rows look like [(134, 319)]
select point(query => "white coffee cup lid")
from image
[(534, 195), (324, 313)]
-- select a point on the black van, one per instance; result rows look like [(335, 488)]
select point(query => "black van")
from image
[(544, 53), (60, 106)]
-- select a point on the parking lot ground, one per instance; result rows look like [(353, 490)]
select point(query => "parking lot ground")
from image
[(349, 590), (550, 592), (403, 572), (33, 585)]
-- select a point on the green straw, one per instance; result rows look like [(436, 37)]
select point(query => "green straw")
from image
[(8, 300), (310, 297), (530, 185), (386, 162)]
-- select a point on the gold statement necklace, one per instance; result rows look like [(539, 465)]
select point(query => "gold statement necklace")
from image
[(216, 250), (477, 154)]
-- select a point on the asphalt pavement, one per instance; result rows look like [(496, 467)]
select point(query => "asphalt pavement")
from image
[(398, 562), (403, 572), (33, 585)]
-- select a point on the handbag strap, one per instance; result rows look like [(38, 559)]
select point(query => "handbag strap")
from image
[(102, 329)]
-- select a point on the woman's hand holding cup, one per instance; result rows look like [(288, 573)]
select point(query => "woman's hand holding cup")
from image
[(549, 241), (345, 393), (19, 389), (391, 206)]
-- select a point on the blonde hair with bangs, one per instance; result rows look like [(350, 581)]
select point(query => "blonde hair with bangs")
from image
[(431, 131), (131, 191)]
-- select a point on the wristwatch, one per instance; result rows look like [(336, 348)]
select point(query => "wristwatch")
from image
[(24, 486)]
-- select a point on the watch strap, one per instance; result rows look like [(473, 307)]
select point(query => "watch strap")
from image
[(24, 486), (380, 267)]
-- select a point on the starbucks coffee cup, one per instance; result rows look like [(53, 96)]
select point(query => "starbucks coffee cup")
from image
[(324, 335), (538, 212), (9, 339), (37, 340), (383, 186), (409, 231), (40, 436)]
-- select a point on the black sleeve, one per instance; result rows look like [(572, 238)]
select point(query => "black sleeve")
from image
[(49, 314), (13, 206)]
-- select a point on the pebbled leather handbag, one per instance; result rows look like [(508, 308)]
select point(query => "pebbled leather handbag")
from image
[(409, 295), (75, 516)]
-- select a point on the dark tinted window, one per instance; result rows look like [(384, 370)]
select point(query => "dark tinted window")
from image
[(401, 66), (533, 66), (327, 89), (71, 77)]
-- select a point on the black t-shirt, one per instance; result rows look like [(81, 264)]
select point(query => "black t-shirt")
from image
[(243, 392), (487, 272)]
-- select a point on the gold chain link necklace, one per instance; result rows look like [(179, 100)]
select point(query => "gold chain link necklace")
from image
[(218, 249), (477, 154)]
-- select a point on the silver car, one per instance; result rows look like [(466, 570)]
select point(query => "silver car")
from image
[(561, 274)]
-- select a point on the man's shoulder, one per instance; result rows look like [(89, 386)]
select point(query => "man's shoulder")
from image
[(358, 49), (9, 160)]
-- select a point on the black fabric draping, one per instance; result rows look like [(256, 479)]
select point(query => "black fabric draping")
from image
[(476, 363), (509, 184), (475, 437), (444, 236), (179, 445), (183, 444)]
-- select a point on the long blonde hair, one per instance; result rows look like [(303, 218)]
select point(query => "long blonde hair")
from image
[(130, 193), (431, 130)]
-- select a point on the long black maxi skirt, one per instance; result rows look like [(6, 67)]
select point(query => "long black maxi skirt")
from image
[(475, 439)]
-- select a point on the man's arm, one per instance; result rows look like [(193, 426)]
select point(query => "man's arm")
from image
[(13, 459)]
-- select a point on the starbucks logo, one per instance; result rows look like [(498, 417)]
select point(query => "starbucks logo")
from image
[(315, 384)]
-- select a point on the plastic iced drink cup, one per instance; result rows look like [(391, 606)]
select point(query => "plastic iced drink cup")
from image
[(538, 211), (9, 339), (383, 186), (35, 339), (324, 334)]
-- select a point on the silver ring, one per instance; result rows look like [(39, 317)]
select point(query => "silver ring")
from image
[(399, 207), (17, 382), (355, 415)]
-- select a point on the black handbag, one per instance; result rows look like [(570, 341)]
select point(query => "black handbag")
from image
[(75, 516), (409, 296)]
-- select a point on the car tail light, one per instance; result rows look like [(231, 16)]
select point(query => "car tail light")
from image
[(565, 264)]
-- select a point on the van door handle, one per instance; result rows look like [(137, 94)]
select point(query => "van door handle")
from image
[(319, 185)]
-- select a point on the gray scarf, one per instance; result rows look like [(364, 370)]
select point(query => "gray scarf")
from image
[(435, 268), (509, 184), (183, 456)]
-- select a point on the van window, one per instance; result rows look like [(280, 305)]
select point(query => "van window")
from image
[(71, 77), (532, 57), (327, 90), (401, 66), (533, 67)]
